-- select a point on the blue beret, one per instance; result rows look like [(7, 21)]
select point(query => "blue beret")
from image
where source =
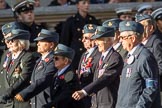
[(131, 26), (157, 14), (89, 28), (23, 6), (112, 23), (144, 7), (102, 31), (46, 35), (8, 27), (65, 51), (140, 17), (19, 34)]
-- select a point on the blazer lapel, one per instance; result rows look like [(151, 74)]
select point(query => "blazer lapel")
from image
[(107, 57)]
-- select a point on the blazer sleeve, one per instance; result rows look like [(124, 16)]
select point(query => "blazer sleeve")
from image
[(158, 55), (148, 70), (27, 63), (40, 84), (112, 72)]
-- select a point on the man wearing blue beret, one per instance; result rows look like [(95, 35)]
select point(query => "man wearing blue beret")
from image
[(89, 59), (116, 44), (105, 83), (139, 85), (65, 80), (43, 72)]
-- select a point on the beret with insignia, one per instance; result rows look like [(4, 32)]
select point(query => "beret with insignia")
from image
[(140, 17), (65, 51), (19, 34), (102, 31), (46, 35), (8, 27), (131, 26), (112, 23), (89, 28)]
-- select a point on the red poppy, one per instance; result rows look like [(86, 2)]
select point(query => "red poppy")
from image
[(46, 59), (61, 77)]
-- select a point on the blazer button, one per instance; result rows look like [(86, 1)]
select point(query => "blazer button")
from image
[(30, 103), (30, 82), (1, 72), (80, 49), (80, 39)]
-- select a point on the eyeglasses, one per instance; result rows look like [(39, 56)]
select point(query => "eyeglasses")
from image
[(86, 38), (58, 58)]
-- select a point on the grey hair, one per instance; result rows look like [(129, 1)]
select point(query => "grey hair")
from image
[(23, 44)]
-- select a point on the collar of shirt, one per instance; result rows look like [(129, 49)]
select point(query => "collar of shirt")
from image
[(144, 42), (105, 53), (44, 56), (116, 46), (60, 72), (90, 51), (16, 55), (132, 51)]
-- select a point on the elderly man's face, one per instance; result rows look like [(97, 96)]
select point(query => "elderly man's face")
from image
[(60, 61), (44, 47), (87, 41), (104, 43), (127, 40)]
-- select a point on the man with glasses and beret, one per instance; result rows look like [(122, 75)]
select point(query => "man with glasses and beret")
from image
[(139, 85), (116, 44), (17, 67), (106, 79), (43, 72), (65, 80), (25, 17), (89, 59)]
